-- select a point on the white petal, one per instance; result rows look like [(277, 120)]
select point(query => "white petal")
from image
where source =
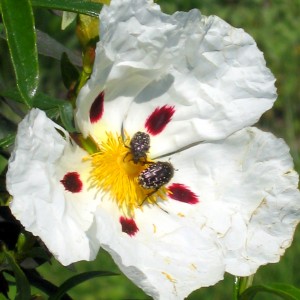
[(169, 257), (40, 159), (247, 193), (213, 74)]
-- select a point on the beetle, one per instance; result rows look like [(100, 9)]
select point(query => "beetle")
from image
[(139, 146), (156, 175)]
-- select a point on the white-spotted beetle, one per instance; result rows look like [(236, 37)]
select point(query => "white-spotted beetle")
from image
[(139, 146), (156, 175)]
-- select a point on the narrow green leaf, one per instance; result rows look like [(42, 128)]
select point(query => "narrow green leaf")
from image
[(76, 280), (85, 7), (4, 287), (66, 116), (40, 100), (52, 106), (52, 113), (3, 163), (6, 126), (38, 252), (12, 94), (20, 33), (2, 29), (69, 73), (7, 141), (23, 287), (44, 101), (285, 291)]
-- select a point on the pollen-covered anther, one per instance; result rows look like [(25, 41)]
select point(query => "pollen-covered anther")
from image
[(159, 119), (182, 193), (72, 182), (128, 226), (97, 108), (115, 173)]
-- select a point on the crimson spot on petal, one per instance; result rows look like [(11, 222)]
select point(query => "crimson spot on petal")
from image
[(72, 182), (182, 193), (159, 119), (97, 108), (128, 226)]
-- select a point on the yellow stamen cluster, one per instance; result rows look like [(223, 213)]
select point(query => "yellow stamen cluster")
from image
[(114, 172)]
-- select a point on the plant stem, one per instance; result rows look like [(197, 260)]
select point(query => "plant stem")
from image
[(240, 285), (44, 285)]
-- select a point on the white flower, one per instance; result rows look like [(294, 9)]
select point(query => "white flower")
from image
[(40, 160), (229, 200)]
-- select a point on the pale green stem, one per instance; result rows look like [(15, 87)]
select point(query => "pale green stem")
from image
[(240, 285)]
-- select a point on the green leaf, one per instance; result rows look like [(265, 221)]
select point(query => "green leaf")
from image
[(52, 106), (63, 107), (285, 291), (44, 101), (3, 163), (20, 33), (66, 116), (2, 29), (7, 141), (4, 287), (38, 252), (85, 7), (76, 280), (70, 74), (12, 94), (40, 100), (23, 287), (25, 242), (7, 127)]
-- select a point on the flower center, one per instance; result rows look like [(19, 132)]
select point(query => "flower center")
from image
[(114, 172)]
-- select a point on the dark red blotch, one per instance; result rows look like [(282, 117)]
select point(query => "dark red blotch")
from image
[(182, 193), (128, 226), (72, 182), (97, 108), (159, 119)]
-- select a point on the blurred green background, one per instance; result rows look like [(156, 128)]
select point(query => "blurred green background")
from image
[(275, 27)]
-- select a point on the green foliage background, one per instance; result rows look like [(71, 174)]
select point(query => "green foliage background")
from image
[(274, 25)]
